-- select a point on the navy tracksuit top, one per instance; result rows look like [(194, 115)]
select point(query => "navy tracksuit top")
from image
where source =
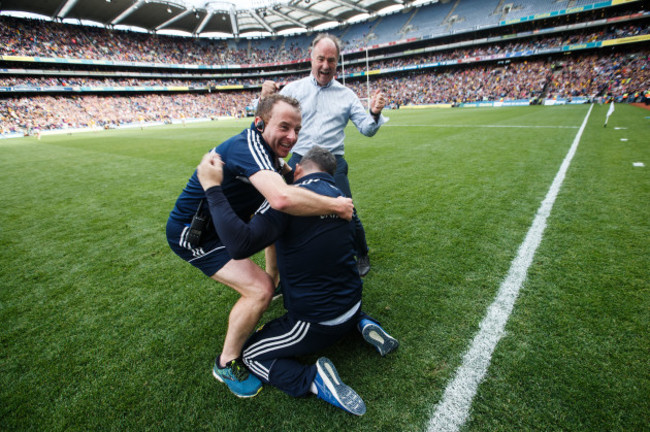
[(243, 155), (315, 254)]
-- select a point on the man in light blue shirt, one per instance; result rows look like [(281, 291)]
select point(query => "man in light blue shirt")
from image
[(326, 107)]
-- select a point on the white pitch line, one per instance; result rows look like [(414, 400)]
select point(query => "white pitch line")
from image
[(481, 126), (453, 410)]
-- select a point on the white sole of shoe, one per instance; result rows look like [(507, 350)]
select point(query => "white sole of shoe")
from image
[(345, 396), (379, 339)]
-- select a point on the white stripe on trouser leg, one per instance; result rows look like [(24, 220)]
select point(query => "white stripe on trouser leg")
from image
[(257, 368), (294, 336), (296, 328)]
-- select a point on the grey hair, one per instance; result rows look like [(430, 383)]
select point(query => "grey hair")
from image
[(319, 158), (321, 36)]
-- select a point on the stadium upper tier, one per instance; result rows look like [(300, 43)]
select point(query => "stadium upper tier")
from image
[(104, 81), (37, 38), (240, 20)]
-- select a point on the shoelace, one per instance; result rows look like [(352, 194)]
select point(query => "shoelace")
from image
[(238, 369)]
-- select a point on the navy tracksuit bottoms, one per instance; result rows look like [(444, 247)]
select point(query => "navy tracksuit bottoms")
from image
[(270, 352)]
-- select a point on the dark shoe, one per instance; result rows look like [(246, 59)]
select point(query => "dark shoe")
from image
[(376, 336), (363, 264), (278, 292)]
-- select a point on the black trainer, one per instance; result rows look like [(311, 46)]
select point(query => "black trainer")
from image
[(278, 292)]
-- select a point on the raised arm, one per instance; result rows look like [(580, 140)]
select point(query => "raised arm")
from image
[(368, 124), (269, 87)]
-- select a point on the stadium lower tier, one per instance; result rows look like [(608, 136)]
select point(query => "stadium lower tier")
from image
[(625, 76)]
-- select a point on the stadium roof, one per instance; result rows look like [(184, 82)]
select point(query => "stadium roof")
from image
[(198, 17)]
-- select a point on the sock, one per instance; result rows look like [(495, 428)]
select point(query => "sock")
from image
[(219, 363)]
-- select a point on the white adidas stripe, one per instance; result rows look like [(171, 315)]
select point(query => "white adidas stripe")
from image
[(294, 336), (257, 151)]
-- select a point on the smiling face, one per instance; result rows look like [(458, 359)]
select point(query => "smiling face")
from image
[(281, 129), (324, 59)]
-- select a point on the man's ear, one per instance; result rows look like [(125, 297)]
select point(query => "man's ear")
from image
[(298, 172), (259, 124)]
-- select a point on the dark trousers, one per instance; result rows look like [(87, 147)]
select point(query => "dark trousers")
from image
[(342, 182), (270, 353)]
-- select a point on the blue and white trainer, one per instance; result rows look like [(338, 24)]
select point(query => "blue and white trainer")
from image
[(235, 375), (332, 390), (377, 337)]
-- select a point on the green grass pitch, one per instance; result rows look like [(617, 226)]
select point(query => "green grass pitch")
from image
[(103, 328)]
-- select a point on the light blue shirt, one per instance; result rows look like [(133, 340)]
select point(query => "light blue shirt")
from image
[(326, 112)]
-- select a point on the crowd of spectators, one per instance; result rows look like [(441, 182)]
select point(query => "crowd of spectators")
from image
[(523, 80), (27, 114), (487, 51), (37, 38), (23, 37), (615, 75), (476, 53), (73, 81), (477, 76), (28, 81), (587, 76)]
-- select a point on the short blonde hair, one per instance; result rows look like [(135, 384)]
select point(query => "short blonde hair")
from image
[(266, 104)]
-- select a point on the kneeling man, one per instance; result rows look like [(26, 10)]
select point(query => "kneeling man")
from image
[(320, 281)]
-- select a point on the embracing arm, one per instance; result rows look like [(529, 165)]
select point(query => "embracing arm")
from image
[(240, 238), (298, 201)]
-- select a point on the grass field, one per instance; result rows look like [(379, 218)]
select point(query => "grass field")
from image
[(103, 328)]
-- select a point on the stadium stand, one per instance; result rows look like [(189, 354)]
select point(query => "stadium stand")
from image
[(471, 14), (57, 76), (386, 29), (355, 38), (428, 21)]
